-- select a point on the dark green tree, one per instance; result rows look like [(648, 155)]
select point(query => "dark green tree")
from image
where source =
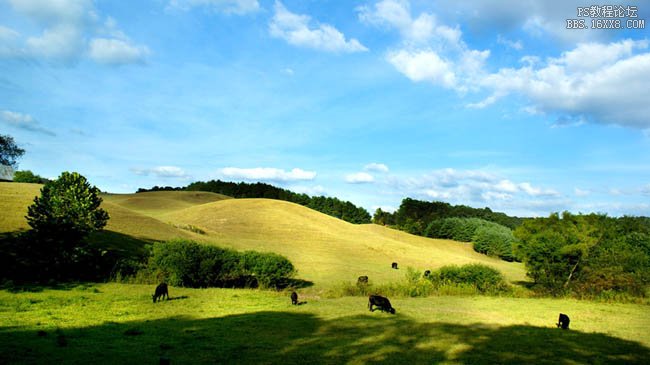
[(9, 151), (61, 219), (26, 176)]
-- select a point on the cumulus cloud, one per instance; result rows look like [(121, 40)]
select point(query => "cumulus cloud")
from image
[(376, 167), (23, 121), (476, 187), (69, 30), (429, 51), (162, 172), (359, 178), (601, 83), (238, 7), (267, 174), (116, 52), (296, 30), (317, 190), (593, 82), (397, 14)]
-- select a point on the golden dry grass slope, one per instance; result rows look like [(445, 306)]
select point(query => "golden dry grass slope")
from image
[(324, 249)]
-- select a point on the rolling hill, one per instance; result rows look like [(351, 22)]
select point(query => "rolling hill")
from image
[(324, 249)]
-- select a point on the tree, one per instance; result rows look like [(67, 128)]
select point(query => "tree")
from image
[(61, 219), (9, 152), (26, 176)]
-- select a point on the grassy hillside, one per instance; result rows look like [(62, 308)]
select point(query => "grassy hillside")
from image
[(116, 323), (327, 250), (14, 200), (156, 203), (324, 249)]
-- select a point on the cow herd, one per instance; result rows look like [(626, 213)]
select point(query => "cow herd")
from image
[(374, 301)]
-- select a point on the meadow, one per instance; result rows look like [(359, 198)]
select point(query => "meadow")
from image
[(118, 323)]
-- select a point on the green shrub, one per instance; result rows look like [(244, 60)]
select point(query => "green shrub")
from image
[(494, 240), (486, 279), (489, 238), (184, 263)]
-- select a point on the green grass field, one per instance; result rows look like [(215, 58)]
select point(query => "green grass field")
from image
[(118, 323)]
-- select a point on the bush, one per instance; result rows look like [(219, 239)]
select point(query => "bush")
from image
[(183, 263), (26, 176), (486, 279), (489, 238), (494, 240)]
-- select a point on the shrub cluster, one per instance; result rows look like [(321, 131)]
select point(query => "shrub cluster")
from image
[(472, 279), (489, 238), (484, 278), (186, 263)]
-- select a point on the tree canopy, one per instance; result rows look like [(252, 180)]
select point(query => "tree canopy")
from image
[(9, 151)]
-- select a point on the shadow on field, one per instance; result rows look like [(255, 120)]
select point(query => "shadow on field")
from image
[(299, 338), (121, 244)]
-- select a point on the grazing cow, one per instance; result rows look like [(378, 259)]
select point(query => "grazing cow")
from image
[(563, 321), (294, 298), (161, 292), (427, 273), (394, 265), (381, 303), (362, 280)]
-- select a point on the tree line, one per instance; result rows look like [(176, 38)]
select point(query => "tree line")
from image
[(334, 207), (414, 215), (589, 255)]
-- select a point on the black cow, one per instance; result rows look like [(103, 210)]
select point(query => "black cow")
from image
[(161, 292), (381, 303), (362, 280), (294, 298), (427, 273), (563, 321), (394, 265)]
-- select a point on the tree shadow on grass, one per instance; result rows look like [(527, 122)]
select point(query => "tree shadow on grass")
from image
[(299, 338)]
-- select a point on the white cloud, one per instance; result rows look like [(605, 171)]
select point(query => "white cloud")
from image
[(543, 19), (359, 178), (23, 121), (267, 174), (429, 52), (591, 83), (116, 51), (535, 191), (611, 88), (66, 27), (474, 187), (423, 65), (316, 190), (162, 172), (294, 28), (397, 14), (581, 192), (238, 7), (376, 167), (517, 45)]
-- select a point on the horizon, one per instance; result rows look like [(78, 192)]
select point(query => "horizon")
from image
[(493, 105)]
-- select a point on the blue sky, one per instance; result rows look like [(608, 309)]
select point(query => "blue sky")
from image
[(484, 103)]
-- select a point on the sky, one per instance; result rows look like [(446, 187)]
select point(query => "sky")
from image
[(482, 103)]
